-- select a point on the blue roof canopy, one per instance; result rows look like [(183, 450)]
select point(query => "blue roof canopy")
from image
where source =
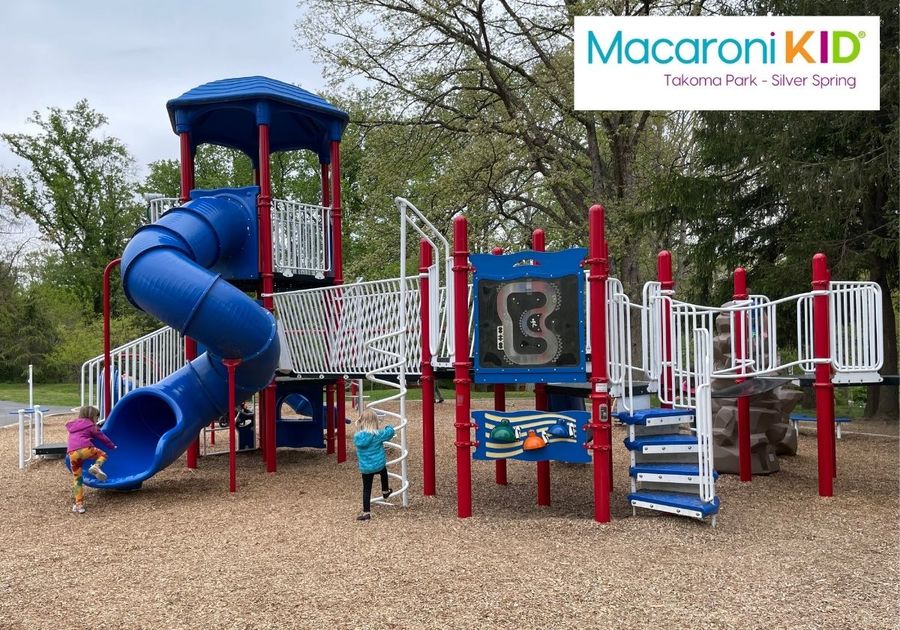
[(227, 113)]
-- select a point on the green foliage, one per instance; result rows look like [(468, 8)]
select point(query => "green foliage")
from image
[(78, 189)]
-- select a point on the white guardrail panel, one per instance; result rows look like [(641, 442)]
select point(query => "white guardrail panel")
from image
[(856, 326), (327, 328), (301, 238), (144, 361)]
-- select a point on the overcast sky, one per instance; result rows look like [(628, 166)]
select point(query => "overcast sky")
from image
[(128, 57)]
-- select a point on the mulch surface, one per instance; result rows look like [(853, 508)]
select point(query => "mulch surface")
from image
[(286, 551)]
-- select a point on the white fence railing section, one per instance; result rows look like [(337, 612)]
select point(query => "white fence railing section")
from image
[(301, 235), (144, 361), (856, 336), (301, 238)]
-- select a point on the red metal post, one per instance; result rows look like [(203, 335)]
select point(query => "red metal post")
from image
[(338, 266), (743, 402), (427, 380), (600, 424), (231, 365), (187, 166), (823, 386), (193, 451), (329, 419), (499, 405), (667, 283), (107, 357), (463, 422), (541, 399), (264, 209), (187, 184)]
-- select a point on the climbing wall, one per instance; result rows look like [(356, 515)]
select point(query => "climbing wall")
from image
[(771, 433)]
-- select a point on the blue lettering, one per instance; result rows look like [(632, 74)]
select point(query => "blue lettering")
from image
[(656, 56), (615, 44)]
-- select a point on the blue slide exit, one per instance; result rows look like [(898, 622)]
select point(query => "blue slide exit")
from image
[(165, 272)]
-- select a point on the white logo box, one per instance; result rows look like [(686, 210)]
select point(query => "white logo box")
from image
[(727, 63)]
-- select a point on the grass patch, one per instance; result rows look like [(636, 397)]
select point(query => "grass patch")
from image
[(51, 394)]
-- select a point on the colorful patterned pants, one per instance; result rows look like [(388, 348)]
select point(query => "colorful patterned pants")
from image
[(76, 461)]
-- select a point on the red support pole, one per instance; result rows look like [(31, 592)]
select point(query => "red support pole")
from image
[(743, 402), (266, 272), (667, 284), (499, 405), (187, 184), (107, 356), (823, 386), (230, 365), (187, 166), (541, 399), (463, 422), (427, 380), (600, 424), (329, 419), (338, 265)]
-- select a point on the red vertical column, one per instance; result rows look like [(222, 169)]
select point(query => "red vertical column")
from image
[(107, 343), (541, 399), (329, 389), (231, 365), (190, 346), (667, 284), (499, 405), (600, 420), (337, 252), (743, 402), (264, 209), (329, 419), (823, 386), (463, 422), (427, 380)]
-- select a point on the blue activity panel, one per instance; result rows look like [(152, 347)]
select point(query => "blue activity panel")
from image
[(529, 317), (532, 436)]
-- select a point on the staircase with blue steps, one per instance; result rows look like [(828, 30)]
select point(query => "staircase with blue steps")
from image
[(668, 464)]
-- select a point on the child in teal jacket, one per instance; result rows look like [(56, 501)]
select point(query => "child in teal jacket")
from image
[(369, 441)]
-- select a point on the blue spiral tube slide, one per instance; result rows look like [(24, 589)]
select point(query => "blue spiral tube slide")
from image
[(165, 272)]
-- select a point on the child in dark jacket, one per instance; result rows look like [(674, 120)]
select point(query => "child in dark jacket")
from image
[(82, 433), (369, 441)]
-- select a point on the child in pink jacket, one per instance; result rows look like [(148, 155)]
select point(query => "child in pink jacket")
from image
[(82, 432)]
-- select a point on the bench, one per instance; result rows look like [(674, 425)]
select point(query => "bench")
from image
[(797, 418)]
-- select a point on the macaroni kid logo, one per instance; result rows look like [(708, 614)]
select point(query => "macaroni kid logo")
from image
[(727, 63)]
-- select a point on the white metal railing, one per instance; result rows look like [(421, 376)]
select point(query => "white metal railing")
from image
[(327, 329), (301, 238), (138, 363), (857, 330), (31, 425), (703, 361), (618, 343), (158, 206), (856, 335)]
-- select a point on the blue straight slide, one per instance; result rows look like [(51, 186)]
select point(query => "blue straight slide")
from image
[(165, 272)]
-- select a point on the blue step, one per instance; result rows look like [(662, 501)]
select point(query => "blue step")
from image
[(687, 470), (674, 439), (676, 500), (799, 417), (642, 416)]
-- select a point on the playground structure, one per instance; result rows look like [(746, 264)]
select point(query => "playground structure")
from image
[(191, 265)]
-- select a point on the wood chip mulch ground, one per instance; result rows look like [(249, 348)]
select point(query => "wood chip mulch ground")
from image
[(286, 552)]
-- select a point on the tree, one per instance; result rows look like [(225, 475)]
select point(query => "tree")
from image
[(483, 92), (767, 190), (79, 191)]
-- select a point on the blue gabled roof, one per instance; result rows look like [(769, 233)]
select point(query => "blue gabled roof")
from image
[(227, 113)]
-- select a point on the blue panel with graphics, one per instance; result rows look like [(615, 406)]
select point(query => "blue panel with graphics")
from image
[(529, 310), (532, 436)]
